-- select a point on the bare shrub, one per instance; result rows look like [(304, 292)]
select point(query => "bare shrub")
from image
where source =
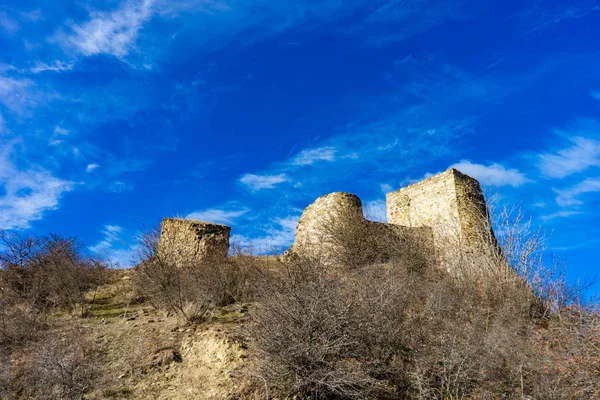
[(39, 274), (566, 355), (365, 329), (385, 331), (339, 235), (63, 364), (306, 333), (189, 288)]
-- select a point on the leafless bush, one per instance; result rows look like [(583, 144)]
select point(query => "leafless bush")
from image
[(565, 355), (39, 274), (61, 365), (384, 331), (366, 329), (306, 332), (189, 288), (342, 236)]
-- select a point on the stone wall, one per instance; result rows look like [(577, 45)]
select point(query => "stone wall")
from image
[(334, 230), (453, 205), (439, 219), (189, 242)]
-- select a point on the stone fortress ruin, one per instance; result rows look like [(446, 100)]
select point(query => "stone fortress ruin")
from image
[(187, 241), (440, 218)]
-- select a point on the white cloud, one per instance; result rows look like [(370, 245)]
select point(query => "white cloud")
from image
[(16, 94), (258, 182), (120, 187), (113, 229), (283, 232), (60, 131), (110, 32), (91, 167), (595, 94), (278, 236), (114, 248), (27, 193), (560, 214), (492, 175), (111, 235), (217, 215), (376, 210), (56, 66), (581, 155), (310, 156), (541, 15), (386, 187), (9, 25), (569, 197)]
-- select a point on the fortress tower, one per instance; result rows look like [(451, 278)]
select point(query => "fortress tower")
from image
[(188, 242), (453, 206)]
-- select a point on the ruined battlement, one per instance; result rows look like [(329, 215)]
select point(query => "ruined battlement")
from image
[(188, 241), (429, 221), (452, 204), (334, 230)]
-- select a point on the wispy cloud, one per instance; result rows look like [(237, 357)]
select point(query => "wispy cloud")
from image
[(417, 135), (560, 214), (310, 156), (91, 167), (493, 174), (386, 188), (540, 15), (28, 193), (375, 210), (405, 18), (258, 182), (114, 248), (56, 66), (60, 131), (109, 32), (218, 215), (436, 81), (570, 197), (111, 235), (16, 94), (120, 187), (581, 154), (283, 232), (279, 235), (8, 24), (595, 94)]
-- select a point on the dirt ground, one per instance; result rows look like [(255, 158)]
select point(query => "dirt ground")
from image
[(147, 354)]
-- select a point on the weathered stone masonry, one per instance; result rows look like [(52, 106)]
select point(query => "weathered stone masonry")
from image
[(188, 242), (431, 219), (453, 205), (333, 229)]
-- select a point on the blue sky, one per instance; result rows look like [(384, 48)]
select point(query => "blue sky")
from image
[(115, 114)]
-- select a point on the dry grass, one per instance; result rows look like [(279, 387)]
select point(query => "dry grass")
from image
[(304, 329)]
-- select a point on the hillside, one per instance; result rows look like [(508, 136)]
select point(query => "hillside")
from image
[(452, 343), (431, 305), (149, 354)]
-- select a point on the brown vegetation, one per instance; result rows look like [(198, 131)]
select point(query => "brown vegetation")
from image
[(42, 278), (190, 289), (370, 325), (386, 330)]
